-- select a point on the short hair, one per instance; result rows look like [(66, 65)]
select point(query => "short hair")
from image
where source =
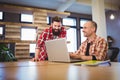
[(57, 19), (94, 24)]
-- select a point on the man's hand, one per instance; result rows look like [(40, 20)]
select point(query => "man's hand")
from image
[(74, 55), (35, 59)]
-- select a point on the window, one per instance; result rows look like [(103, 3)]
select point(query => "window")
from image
[(11, 17), (1, 15), (69, 21), (82, 22), (72, 46), (27, 18), (28, 33), (2, 31), (48, 20), (32, 49)]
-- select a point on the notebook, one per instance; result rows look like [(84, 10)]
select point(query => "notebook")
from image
[(57, 50), (94, 63)]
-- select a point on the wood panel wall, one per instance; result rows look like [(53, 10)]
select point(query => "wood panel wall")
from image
[(13, 30)]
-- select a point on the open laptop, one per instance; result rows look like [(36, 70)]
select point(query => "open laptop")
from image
[(57, 50)]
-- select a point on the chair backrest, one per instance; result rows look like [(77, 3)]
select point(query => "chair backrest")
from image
[(113, 53)]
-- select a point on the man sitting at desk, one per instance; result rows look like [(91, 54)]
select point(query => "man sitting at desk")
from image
[(94, 47)]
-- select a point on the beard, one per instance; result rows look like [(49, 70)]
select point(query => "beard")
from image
[(56, 32)]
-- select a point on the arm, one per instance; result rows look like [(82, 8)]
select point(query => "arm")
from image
[(99, 52), (39, 44), (36, 58), (80, 53), (63, 33), (79, 56)]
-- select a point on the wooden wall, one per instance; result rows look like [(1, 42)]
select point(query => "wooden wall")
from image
[(12, 30)]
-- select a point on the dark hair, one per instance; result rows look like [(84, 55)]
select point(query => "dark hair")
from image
[(57, 19), (95, 25), (109, 37)]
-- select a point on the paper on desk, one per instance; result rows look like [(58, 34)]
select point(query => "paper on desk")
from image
[(92, 62)]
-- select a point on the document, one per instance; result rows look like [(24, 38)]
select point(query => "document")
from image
[(93, 63)]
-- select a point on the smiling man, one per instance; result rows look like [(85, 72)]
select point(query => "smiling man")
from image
[(94, 47), (56, 30)]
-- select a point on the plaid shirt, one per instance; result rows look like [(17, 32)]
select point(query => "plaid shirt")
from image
[(47, 35), (98, 48)]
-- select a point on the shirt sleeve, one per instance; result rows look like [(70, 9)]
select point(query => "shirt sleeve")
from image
[(41, 39), (63, 33), (101, 50), (82, 49)]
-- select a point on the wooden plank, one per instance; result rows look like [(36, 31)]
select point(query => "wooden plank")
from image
[(39, 22), (40, 10), (12, 37), (23, 57), (24, 48), (12, 26), (15, 8), (56, 13), (12, 30), (22, 51), (40, 19), (40, 13), (12, 34), (18, 24)]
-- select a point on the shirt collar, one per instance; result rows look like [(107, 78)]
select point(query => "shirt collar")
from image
[(92, 40)]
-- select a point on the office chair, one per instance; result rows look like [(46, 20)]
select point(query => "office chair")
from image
[(113, 53)]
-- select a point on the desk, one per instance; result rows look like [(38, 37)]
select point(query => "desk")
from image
[(45, 70)]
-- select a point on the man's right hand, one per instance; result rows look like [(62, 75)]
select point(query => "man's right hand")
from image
[(75, 55), (35, 59)]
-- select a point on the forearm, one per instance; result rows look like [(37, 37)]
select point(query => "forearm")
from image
[(74, 55), (36, 58), (86, 57), (101, 56), (37, 51), (82, 57)]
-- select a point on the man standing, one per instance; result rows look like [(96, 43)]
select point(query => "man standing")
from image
[(94, 47), (56, 30)]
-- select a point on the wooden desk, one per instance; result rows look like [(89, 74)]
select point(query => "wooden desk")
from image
[(45, 70)]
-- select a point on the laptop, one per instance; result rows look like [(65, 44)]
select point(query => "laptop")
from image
[(57, 51)]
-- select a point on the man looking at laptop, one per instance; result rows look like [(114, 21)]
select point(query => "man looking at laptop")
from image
[(94, 47), (56, 30)]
